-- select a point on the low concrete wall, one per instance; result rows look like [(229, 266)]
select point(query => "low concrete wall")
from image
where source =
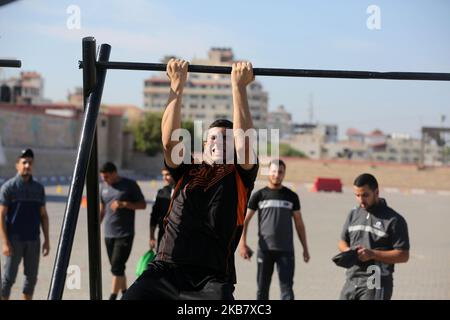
[(47, 162), (142, 164)]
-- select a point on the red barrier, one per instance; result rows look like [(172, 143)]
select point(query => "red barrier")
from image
[(84, 202), (327, 184)]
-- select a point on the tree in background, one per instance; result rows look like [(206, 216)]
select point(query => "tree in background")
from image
[(285, 150), (147, 133)]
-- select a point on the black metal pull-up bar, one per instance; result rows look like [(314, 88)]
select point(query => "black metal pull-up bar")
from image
[(276, 72), (5, 63), (85, 170)]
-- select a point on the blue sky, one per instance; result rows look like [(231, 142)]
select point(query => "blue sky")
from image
[(414, 36)]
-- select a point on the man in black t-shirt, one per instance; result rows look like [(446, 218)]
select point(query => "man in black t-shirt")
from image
[(380, 236), (277, 206), (195, 259), (160, 208), (119, 198)]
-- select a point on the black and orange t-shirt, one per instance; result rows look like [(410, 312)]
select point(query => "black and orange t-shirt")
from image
[(204, 223)]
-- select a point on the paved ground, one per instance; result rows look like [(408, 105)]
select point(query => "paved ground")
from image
[(425, 276)]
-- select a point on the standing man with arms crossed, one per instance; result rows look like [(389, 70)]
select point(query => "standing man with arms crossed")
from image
[(204, 223), (22, 212), (119, 199), (277, 206), (380, 236)]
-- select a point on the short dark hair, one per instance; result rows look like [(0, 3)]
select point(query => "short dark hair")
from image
[(25, 153), (366, 179), (278, 163), (108, 167), (221, 123)]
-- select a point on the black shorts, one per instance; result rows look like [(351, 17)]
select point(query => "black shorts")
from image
[(118, 252), (168, 281)]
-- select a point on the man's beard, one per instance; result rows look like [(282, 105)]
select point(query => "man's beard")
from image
[(371, 207), (276, 183)]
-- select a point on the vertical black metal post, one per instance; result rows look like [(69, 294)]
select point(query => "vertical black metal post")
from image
[(78, 180), (93, 215)]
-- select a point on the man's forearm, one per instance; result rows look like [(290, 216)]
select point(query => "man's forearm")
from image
[(242, 121), (172, 118), (248, 217), (3, 230), (141, 205), (343, 246), (152, 232), (301, 232), (45, 227), (243, 240), (391, 256), (242, 118)]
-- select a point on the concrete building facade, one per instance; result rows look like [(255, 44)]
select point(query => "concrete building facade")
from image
[(207, 97)]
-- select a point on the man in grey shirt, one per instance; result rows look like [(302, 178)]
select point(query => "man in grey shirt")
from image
[(277, 206), (120, 197), (380, 237), (22, 213)]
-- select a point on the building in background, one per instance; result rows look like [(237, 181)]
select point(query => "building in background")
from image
[(207, 97), (380, 147), (311, 138), (28, 88), (280, 119), (75, 97)]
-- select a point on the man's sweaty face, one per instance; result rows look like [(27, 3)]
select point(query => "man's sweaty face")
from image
[(215, 146)]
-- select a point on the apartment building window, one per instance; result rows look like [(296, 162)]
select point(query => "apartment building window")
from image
[(255, 86), (158, 84), (194, 106), (221, 97), (221, 116)]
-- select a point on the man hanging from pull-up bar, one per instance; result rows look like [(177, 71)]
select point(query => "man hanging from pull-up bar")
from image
[(205, 219)]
